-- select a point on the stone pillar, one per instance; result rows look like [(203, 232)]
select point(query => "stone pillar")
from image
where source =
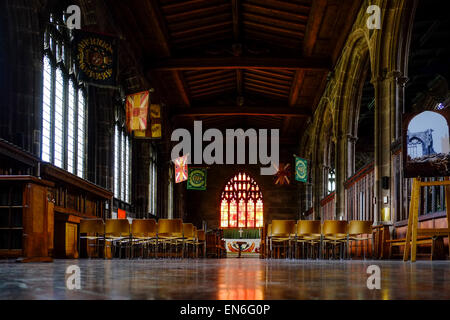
[(102, 105), (141, 177), (351, 150), (385, 97), (21, 38)]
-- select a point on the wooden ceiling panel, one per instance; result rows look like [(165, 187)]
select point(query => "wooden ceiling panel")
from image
[(204, 83), (239, 53)]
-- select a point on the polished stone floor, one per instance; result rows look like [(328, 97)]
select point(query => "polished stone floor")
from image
[(225, 279)]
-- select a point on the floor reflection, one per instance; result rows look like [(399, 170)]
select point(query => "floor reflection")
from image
[(225, 279)]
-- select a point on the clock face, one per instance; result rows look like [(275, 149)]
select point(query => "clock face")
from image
[(95, 57)]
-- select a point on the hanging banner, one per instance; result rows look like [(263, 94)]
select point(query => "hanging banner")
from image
[(95, 58), (283, 174), (181, 169), (137, 111), (197, 179), (301, 169), (154, 129)]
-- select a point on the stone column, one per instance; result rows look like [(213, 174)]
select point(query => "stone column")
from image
[(141, 177), (101, 103), (385, 97), (351, 150), (21, 40)]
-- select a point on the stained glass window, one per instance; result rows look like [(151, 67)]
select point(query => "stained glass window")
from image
[(241, 203)]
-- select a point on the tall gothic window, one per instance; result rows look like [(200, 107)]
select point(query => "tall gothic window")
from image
[(241, 203), (122, 164), (64, 109), (153, 181)]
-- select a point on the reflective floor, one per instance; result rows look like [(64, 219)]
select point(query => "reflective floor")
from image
[(225, 279)]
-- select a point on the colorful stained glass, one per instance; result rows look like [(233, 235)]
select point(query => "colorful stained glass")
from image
[(233, 214), (250, 214), (224, 214), (259, 214), (241, 213), (241, 203)]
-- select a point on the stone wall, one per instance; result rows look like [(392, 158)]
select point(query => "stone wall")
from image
[(280, 202)]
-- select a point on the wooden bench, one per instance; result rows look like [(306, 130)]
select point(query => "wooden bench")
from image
[(436, 241)]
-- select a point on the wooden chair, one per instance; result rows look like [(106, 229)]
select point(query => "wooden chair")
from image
[(283, 232), (170, 232), (357, 228), (334, 232), (118, 232), (143, 233), (268, 252), (200, 241), (308, 232), (92, 230), (189, 232)]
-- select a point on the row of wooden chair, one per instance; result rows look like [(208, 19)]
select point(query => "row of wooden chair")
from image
[(317, 238), (147, 235)]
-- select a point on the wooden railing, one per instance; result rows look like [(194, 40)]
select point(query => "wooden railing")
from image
[(359, 192), (328, 206)]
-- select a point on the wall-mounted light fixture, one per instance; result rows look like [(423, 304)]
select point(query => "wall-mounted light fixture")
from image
[(386, 214)]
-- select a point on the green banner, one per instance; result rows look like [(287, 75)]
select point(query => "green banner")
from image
[(301, 169), (197, 179)]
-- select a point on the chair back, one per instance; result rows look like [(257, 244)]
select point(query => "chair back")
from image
[(117, 227), (92, 226), (143, 228), (334, 227), (170, 227), (357, 227), (188, 230), (283, 228), (309, 228), (200, 234), (269, 230)]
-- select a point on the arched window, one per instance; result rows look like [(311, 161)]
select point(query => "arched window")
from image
[(122, 164), (64, 108), (241, 203)]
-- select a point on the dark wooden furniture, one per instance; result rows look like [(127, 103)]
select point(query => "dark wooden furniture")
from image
[(26, 218), (381, 236), (75, 199), (240, 244)]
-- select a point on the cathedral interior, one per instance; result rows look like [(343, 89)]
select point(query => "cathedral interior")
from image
[(116, 162)]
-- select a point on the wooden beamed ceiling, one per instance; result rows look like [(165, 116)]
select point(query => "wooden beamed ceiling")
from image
[(238, 57)]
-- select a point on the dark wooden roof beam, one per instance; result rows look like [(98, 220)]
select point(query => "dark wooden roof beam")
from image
[(200, 29), (296, 87), (274, 13), (312, 30), (214, 92), (182, 88), (198, 13), (268, 83), (274, 21), (209, 81), (268, 88), (243, 111), (232, 63)]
